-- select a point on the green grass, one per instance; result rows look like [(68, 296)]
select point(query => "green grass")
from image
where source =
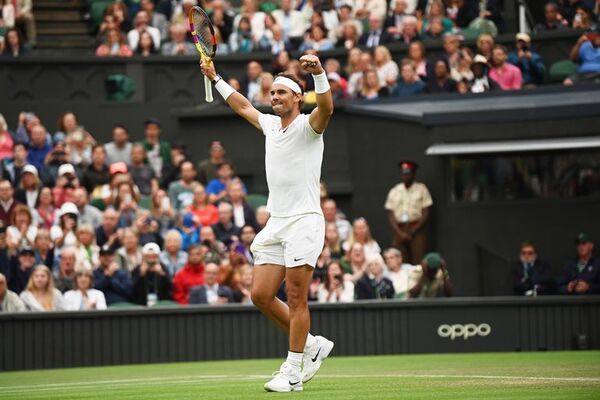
[(553, 375)]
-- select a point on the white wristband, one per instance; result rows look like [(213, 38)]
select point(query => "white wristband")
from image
[(321, 83), (224, 89)]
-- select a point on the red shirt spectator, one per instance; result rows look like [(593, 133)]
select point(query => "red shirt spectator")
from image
[(192, 274), (205, 213)]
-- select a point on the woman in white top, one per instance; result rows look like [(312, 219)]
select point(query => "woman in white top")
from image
[(63, 234), (84, 297), (387, 69), (361, 233), (40, 293), (21, 233), (335, 287)]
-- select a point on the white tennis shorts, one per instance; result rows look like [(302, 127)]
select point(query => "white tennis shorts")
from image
[(290, 241)]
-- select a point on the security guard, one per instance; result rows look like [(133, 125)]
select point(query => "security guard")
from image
[(408, 205)]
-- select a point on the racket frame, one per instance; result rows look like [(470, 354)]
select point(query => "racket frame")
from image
[(205, 57)]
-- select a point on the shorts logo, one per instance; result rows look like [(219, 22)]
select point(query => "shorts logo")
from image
[(298, 259), (465, 331)]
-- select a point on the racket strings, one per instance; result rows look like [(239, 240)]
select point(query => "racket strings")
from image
[(204, 33)]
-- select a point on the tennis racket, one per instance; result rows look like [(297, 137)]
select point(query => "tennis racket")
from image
[(205, 40)]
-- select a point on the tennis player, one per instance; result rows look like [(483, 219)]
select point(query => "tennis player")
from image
[(289, 245)]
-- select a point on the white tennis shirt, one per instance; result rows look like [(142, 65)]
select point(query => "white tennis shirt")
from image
[(293, 158)]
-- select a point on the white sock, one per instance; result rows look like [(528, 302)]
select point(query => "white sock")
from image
[(310, 340), (294, 359)]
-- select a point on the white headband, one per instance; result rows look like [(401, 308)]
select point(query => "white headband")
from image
[(282, 80)]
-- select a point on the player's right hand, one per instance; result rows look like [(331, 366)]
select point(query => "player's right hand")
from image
[(208, 69)]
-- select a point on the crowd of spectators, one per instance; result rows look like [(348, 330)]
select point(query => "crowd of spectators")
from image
[(86, 225)]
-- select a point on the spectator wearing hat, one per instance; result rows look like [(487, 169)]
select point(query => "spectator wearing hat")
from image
[(97, 173), (528, 61), (158, 151), (9, 300), (508, 76), (20, 267), (29, 187), (337, 90), (373, 284), (210, 292), (408, 204), (143, 175), (112, 281), (151, 281), (581, 276), (481, 82), (83, 296), (207, 168), (431, 277), (192, 274), (181, 192), (66, 183), (119, 150), (531, 276), (7, 201), (409, 82), (63, 234), (39, 147)]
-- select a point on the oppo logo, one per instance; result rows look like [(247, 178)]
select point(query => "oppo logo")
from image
[(463, 331)]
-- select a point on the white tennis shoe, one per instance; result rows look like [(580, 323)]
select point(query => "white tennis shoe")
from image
[(287, 379), (314, 356)]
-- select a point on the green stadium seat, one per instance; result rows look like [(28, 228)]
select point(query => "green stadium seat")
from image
[(124, 305), (256, 200), (561, 70)]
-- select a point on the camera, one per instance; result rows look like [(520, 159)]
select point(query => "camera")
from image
[(70, 182)]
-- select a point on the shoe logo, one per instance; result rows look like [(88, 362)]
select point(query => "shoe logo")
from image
[(293, 383), (317, 355), (298, 259)]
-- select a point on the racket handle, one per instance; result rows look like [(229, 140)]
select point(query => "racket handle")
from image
[(208, 90)]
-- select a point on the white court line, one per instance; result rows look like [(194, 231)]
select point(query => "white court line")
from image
[(215, 378)]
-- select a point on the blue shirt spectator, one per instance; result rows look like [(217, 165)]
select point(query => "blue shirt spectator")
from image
[(528, 61), (111, 280), (589, 58), (38, 147)]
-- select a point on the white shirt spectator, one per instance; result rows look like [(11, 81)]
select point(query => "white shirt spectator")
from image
[(73, 300), (32, 304), (257, 24), (346, 296), (293, 23), (402, 280), (15, 236), (117, 154)]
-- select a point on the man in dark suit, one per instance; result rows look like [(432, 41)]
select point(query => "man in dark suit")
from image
[(582, 275), (211, 292), (531, 276), (376, 35)]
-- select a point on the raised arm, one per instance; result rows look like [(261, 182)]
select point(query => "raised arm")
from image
[(236, 101), (319, 117)]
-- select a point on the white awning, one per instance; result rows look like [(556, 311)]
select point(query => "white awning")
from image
[(510, 146)]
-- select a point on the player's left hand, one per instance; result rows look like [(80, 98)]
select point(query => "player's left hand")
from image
[(311, 64)]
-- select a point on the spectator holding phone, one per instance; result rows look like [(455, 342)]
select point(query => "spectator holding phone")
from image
[(528, 61), (531, 276), (151, 281), (587, 52), (335, 287), (111, 280)]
